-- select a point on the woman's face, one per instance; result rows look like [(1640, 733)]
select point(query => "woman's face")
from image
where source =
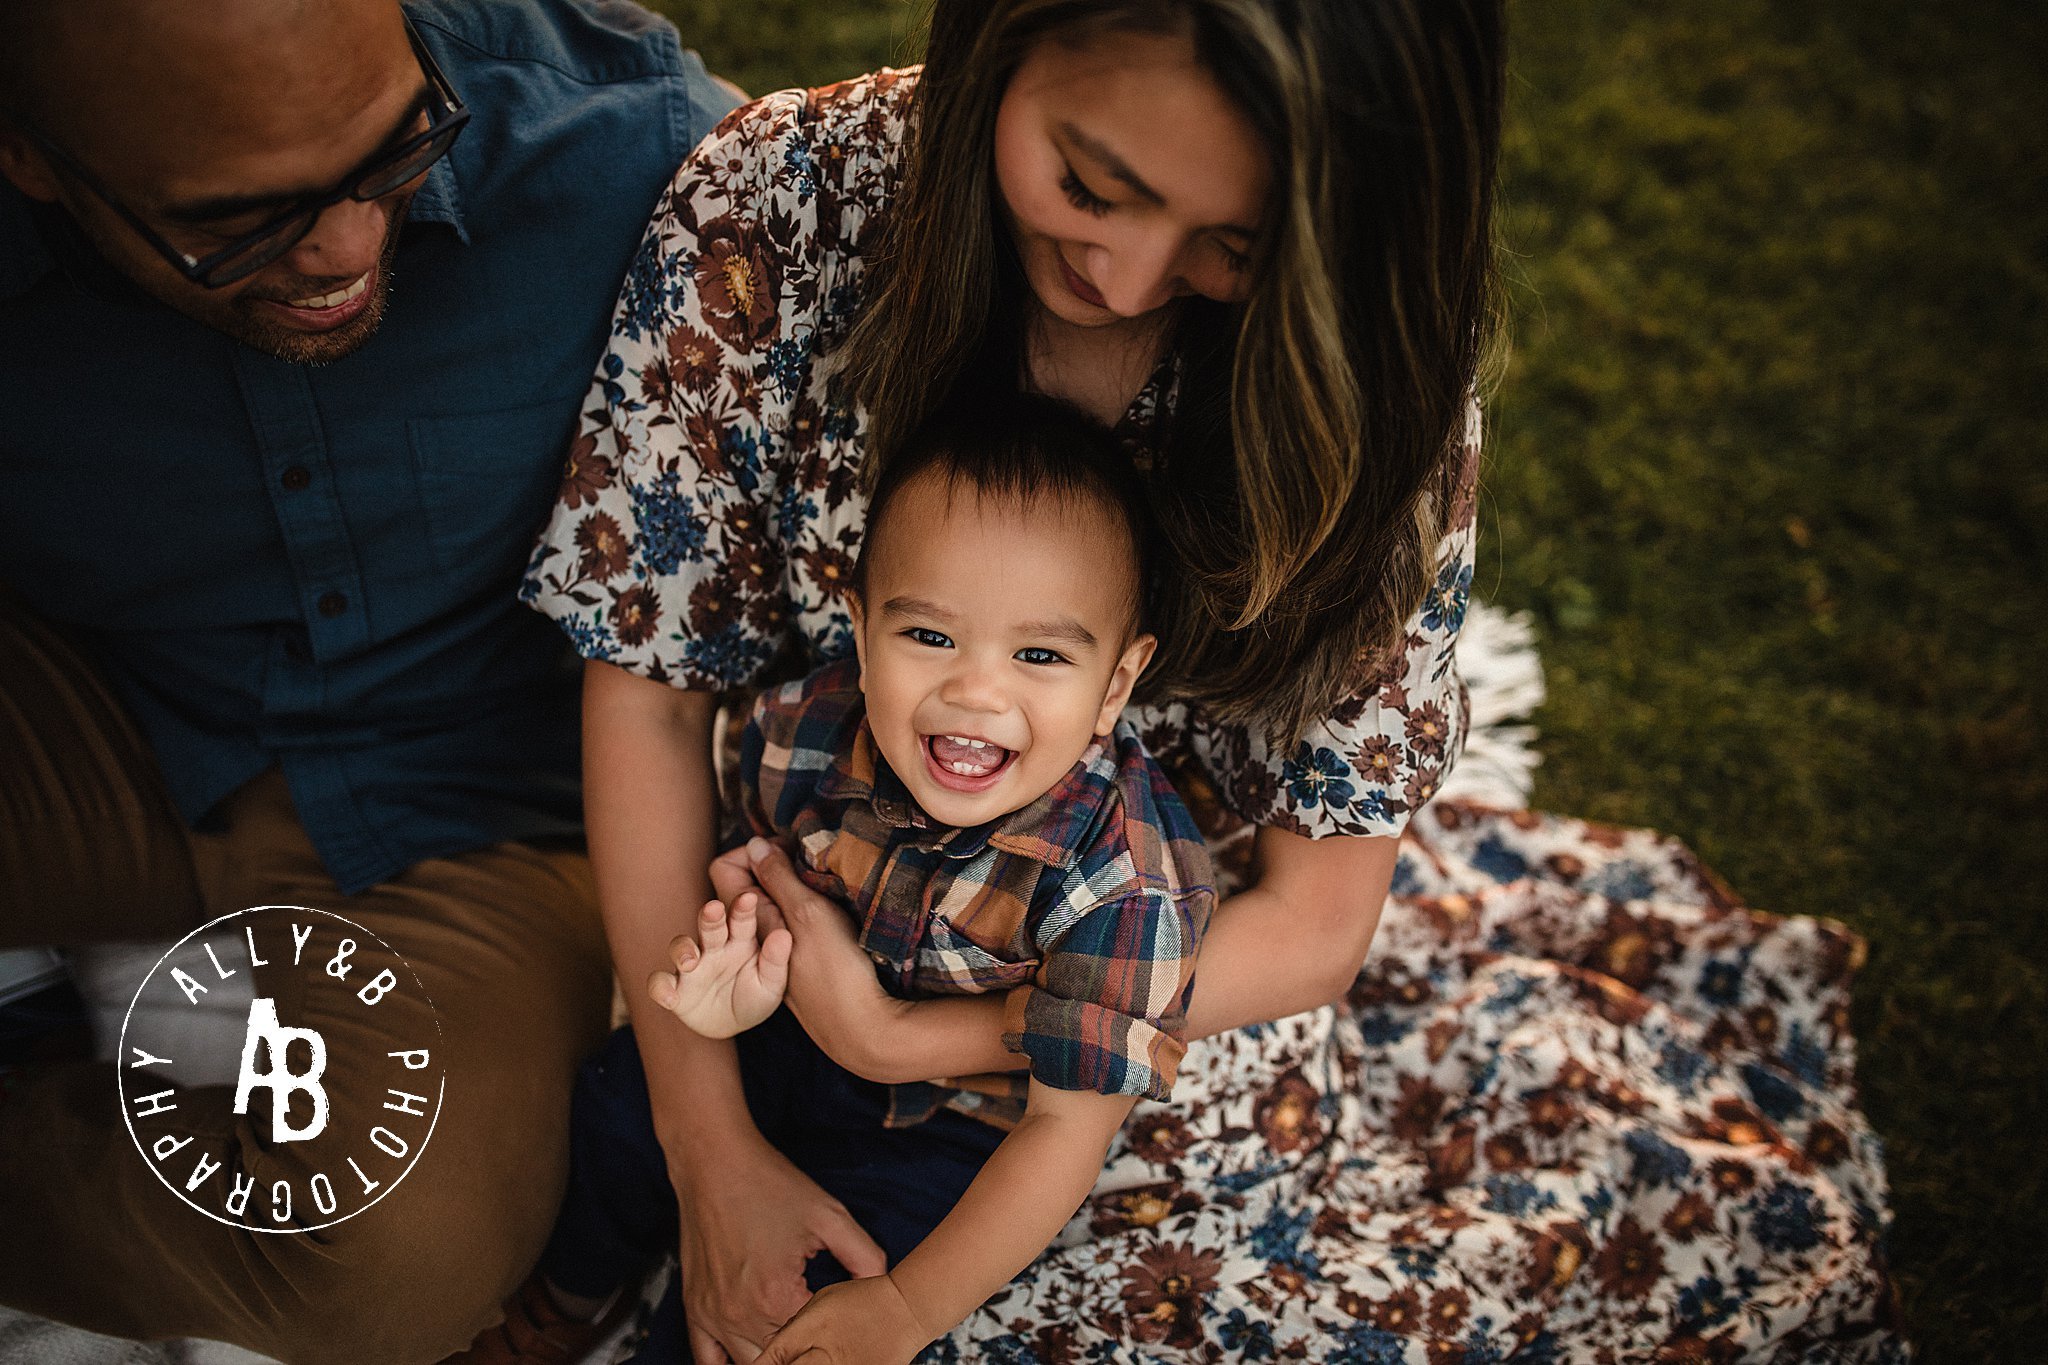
[(1129, 176)]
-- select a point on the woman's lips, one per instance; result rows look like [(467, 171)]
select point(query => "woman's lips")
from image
[(1081, 289), (965, 783)]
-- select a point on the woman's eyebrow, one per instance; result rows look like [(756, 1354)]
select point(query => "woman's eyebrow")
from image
[(235, 205), (1121, 170)]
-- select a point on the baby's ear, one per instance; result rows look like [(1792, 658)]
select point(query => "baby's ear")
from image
[(1129, 669), (860, 634)]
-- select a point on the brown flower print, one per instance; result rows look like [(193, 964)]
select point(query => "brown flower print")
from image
[(1631, 1262), (1163, 1293), (586, 474), (1428, 731), (1161, 1138), (1689, 1217), (1286, 1114), (737, 277), (635, 614), (603, 551)]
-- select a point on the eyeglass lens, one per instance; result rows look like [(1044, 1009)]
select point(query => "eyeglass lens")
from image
[(375, 184)]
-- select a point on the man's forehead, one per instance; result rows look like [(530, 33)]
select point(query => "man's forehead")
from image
[(189, 100)]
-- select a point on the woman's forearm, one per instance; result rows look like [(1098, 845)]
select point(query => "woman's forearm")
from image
[(651, 809), (1296, 938)]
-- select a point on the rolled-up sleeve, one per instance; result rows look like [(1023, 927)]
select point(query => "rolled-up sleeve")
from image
[(1107, 1008)]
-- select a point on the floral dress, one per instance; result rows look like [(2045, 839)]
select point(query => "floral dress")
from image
[(1579, 1106)]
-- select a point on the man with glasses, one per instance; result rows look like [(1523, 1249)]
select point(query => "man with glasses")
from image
[(298, 303)]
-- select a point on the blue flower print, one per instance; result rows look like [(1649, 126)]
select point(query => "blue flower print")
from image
[(1368, 1346), (1444, 608), (1777, 1097), (1721, 983), (1657, 1161), (1317, 778), (1786, 1220), (729, 654), (1251, 1340), (671, 532), (1702, 1304)]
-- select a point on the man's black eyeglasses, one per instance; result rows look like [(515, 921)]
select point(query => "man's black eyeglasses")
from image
[(385, 171)]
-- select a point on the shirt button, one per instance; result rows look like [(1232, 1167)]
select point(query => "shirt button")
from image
[(297, 478), (332, 604)]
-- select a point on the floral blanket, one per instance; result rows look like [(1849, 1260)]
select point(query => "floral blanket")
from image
[(1581, 1105)]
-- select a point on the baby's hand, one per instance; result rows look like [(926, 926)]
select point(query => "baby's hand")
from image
[(855, 1322), (733, 980)]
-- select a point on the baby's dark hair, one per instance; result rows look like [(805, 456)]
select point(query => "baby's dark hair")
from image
[(1021, 447)]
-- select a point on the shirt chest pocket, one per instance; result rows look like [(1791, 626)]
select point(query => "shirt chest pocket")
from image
[(486, 481), (949, 961)]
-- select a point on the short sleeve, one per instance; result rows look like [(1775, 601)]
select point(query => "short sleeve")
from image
[(1107, 1008), (663, 553), (1381, 753)]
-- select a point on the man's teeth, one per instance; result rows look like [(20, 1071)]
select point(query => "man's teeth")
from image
[(338, 297)]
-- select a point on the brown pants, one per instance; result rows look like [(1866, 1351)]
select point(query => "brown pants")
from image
[(506, 941)]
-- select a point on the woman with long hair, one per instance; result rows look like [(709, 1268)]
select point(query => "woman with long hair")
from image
[(1255, 238)]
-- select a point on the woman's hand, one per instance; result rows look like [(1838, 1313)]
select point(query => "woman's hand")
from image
[(858, 1322), (832, 988), (750, 1220)]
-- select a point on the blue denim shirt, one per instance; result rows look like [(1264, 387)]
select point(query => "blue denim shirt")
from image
[(316, 568)]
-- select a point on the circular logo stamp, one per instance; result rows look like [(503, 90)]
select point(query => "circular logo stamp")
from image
[(280, 1068)]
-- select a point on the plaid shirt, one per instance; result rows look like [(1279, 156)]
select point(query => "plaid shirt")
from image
[(1085, 907)]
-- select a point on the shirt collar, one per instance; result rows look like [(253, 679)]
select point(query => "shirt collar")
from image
[(860, 773), (439, 200)]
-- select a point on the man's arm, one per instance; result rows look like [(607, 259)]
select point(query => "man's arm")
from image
[(1030, 1187)]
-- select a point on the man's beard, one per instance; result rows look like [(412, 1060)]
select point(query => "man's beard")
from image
[(244, 317)]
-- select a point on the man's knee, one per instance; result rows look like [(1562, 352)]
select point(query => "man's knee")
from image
[(408, 1285)]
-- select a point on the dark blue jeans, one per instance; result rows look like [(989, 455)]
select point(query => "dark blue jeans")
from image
[(619, 1215)]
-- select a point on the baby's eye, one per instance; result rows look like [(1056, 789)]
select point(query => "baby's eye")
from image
[(1032, 654), (928, 637)]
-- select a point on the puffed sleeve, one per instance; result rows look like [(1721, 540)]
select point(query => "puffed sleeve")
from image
[(662, 554), (1365, 767)]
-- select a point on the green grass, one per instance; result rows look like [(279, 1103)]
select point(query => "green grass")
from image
[(1767, 464)]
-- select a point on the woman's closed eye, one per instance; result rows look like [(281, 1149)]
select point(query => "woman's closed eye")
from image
[(1081, 197)]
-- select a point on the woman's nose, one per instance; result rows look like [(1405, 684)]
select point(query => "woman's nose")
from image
[(1140, 271)]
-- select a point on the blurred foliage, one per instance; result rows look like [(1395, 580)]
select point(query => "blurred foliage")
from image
[(1767, 462)]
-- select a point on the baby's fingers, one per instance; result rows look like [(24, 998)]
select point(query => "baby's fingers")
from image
[(741, 921), (711, 925)]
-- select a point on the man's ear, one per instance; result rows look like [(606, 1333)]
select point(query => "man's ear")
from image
[(24, 166), (1129, 668)]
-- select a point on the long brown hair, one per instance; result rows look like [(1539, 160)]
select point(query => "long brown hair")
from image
[(1305, 478)]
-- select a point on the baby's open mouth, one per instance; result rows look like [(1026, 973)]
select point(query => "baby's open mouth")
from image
[(965, 762)]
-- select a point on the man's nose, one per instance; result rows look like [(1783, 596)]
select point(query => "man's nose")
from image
[(1140, 271), (345, 242)]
